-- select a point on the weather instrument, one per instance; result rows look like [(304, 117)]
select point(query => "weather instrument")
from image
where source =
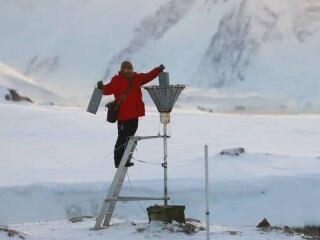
[(164, 96)]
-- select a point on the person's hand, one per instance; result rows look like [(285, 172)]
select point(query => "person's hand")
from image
[(100, 85), (161, 68)]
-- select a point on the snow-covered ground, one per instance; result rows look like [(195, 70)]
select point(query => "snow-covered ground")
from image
[(121, 230), (58, 162)]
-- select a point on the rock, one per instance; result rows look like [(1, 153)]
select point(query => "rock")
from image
[(233, 151), (234, 233), (79, 218), (12, 232), (288, 230), (311, 231), (205, 109), (240, 108), (15, 97), (193, 220), (264, 223)]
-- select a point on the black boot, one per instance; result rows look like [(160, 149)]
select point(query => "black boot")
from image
[(129, 164)]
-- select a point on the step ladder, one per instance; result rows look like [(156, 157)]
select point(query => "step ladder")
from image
[(104, 217)]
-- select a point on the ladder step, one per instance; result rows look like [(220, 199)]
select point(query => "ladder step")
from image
[(125, 199)]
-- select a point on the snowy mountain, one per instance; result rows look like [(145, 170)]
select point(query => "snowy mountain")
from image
[(252, 30), (265, 48), (13, 83), (65, 45)]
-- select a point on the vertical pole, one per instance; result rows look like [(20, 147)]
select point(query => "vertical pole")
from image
[(207, 192), (165, 151)]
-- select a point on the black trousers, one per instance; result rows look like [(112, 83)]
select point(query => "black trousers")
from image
[(126, 129)]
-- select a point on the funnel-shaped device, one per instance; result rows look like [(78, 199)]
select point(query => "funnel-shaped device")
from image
[(164, 97)]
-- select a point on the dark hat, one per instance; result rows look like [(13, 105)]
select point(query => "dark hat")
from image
[(126, 64)]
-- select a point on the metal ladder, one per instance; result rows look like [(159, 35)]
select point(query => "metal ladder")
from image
[(104, 217)]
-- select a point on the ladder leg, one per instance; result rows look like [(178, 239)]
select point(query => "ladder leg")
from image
[(107, 209)]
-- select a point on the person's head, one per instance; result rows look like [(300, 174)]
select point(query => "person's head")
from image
[(127, 69)]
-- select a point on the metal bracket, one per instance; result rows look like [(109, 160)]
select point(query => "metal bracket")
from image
[(125, 199), (138, 138)]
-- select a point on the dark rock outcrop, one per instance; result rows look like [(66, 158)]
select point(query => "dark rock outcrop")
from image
[(233, 151), (12, 232), (264, 223), (16, 97)]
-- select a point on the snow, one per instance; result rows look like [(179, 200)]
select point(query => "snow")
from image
[(3, 92), (7, 71), (59, 163), (64, 230), (71, 137)]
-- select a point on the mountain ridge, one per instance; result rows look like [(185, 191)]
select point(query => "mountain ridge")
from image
[(265, 47), (12, 80)]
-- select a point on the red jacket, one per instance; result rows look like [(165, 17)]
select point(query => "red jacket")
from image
[(132, 106)]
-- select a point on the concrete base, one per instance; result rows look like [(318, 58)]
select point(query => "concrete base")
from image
[(166, 213)]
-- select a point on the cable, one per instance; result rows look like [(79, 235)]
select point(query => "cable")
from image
[(134, 194), (139, 160), (108, 155)]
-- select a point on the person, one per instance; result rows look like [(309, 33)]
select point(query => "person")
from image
[(132, 107)]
